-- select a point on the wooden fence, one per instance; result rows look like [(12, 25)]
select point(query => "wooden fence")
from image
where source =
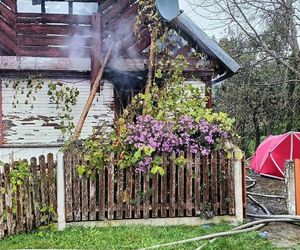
[(22, 209), (204, 186)]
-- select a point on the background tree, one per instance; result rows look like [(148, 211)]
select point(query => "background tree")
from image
[(263, 36)]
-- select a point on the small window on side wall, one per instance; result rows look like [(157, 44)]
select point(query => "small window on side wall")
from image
[(28, 6), (56, 7), (85, 8)]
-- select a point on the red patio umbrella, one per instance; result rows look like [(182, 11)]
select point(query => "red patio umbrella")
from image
[(272, 153)]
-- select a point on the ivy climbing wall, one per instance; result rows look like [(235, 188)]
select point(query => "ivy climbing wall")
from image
[(35, 120)]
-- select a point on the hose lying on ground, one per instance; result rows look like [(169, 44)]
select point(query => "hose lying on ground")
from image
[(251, 226)]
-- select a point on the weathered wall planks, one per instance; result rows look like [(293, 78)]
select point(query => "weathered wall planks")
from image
[(40, 123)]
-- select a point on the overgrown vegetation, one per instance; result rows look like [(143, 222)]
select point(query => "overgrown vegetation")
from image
[(133, 237)]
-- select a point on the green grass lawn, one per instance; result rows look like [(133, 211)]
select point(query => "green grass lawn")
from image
[(133, 237)]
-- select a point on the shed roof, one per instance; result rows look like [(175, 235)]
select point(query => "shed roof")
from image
[(191, 31)]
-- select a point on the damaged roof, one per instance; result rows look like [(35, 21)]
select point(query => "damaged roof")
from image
[(191, 31)]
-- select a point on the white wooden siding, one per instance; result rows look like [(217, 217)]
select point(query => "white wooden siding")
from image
[(40, 124)]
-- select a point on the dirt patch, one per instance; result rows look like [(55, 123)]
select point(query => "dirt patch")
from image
[(284, 235)]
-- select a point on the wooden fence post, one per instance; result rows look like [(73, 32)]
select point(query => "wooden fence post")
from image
[(238, 190), (297, 186), (61, 220), (290, 187)]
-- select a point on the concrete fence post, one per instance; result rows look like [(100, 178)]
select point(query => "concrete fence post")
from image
[(238, 190), (61, 220), (289, 173)]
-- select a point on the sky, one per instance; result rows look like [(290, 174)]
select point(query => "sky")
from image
[(197, 14)]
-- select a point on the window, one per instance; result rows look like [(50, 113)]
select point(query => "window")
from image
[(85, 8), (57, 7), (27, 6)]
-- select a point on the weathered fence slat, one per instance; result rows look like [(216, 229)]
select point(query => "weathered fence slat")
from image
[(155, 196), (119, 214), (110, 199), (27, 205), (8, 200), (102, 186), (69, 187), (84, 199), (76, 189), (35, 192), (92, 203), (205, 179), (189, 183), (128, 210), (214, 182), (52, 181), (43, 175), (172, 208), (181, 199), (197, 184), (137, 207), (163, 208), (222, 189), (19, 210), (146, 190)]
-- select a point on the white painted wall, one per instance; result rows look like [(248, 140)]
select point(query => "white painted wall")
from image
[(37, 125)]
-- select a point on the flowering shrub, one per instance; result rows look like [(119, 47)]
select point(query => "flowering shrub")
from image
[(173, 136)]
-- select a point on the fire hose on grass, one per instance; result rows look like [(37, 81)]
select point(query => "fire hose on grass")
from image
[(248, 227)]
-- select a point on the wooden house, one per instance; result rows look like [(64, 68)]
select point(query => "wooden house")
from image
[(64, 41)]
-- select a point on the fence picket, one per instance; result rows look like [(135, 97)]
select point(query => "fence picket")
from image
[(8, 200), (205, 180), (172, 208), (197, 184), (146, 194), (181, 188), (163, 209), (155, 196), (222, 188), (92, 203), (19, 210), (35, 192), (43, 176), (102, 185), (137, 207), (189, 183), (84, 199), (110, 199), (52, 179), (27, 205), (69, 186), (76, 188), (128, 210), (119, 214), (214, 182)]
